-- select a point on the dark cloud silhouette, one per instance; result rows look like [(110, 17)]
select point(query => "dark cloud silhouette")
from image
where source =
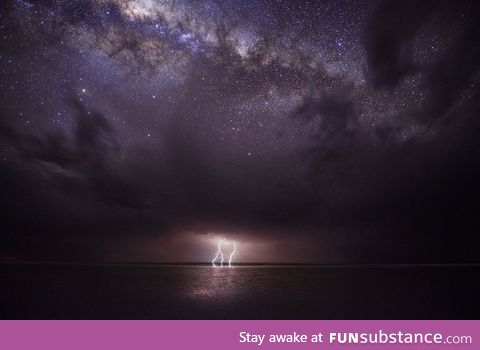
[(389, 38), (390, 52)]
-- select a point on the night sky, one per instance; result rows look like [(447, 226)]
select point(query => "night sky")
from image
[(315, 131)]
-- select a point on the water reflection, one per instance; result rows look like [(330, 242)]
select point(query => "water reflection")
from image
[(217, 283)]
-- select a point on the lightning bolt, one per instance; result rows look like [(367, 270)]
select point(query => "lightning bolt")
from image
[(219, 253), (234, 251), (219, 257)]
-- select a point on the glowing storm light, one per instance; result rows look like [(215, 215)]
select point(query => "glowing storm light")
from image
[(219, 257), (232, 254)]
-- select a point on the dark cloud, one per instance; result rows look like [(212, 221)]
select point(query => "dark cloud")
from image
[(390, 52), (389, 37)]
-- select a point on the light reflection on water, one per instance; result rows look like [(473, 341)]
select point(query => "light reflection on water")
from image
[(217, 283)]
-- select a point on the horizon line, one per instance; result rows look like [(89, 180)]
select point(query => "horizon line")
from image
[(204, 263)]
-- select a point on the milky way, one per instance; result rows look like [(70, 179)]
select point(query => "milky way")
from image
[(333, 131)]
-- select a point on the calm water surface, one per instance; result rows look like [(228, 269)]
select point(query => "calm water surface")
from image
[(56, 291)]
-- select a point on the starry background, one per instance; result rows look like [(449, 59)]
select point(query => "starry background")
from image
[(307, 131)]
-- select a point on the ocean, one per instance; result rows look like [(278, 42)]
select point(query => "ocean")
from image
[(155, 291)]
